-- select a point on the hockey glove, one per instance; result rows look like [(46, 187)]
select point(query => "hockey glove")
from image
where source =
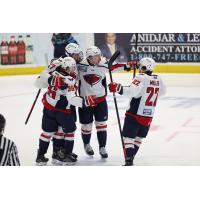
[(90, 101), (131, 65), (115, 87)]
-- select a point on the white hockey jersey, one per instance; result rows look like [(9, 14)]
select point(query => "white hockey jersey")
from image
[(92, 79), (143, 93), (58, 98)]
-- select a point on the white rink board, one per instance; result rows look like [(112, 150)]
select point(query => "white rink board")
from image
[(174, 138)]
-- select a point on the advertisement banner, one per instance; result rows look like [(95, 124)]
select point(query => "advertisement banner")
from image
[(162, 47)]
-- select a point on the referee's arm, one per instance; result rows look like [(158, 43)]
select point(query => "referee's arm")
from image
[(13, 158)]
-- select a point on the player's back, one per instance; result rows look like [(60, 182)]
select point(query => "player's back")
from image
[(144, 92)]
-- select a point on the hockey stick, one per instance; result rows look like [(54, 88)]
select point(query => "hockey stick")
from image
[(136, 44), (38, 93), (33, 105), (112, 59)]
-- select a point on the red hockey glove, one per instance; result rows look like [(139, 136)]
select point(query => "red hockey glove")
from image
[(132, 64), (115, 87), (91, 101)]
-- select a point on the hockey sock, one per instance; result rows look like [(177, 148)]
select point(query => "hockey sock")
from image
[(129, 145), (58, 139), (69, 143), (44, 141), (43, 146), (58, 144), (137, 143), (130, 152), (102, 138), (86, 138), (86, 130)]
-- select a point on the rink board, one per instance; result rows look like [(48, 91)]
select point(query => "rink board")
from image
[(20, 70), (161, 68)]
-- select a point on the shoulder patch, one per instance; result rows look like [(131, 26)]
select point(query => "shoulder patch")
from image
[(136, 82), (82, 67)]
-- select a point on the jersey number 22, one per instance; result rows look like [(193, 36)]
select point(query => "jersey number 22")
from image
[(151, 91)]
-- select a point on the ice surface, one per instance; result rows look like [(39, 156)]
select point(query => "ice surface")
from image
[(174, 138)]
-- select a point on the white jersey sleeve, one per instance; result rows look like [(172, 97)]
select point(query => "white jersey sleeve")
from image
[(135, 89), (103, 65), (72, 98)]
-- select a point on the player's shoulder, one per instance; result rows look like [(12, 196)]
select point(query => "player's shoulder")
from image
[(156, 77), (140, 76), (148, 76), (83, 65), (103, 63)]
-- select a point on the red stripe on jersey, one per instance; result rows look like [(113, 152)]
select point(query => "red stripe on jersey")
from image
[(50, 107), (145, 121)]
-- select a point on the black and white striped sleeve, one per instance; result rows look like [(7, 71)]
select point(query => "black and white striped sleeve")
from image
[(8, 152), (13, 158)]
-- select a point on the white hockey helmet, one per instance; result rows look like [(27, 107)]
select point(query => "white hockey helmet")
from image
[(72, 48), (54, 63), (68, 66), (147, 64), (93, 51)]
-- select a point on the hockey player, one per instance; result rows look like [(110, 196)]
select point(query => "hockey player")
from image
[(143, 94), (58, 137), (57, 100), (92, 81), (72, 50)]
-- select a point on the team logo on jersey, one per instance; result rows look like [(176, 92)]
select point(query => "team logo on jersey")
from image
[(92, 79)]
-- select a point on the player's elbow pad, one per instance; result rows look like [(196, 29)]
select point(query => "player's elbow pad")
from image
[(39, 83)]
